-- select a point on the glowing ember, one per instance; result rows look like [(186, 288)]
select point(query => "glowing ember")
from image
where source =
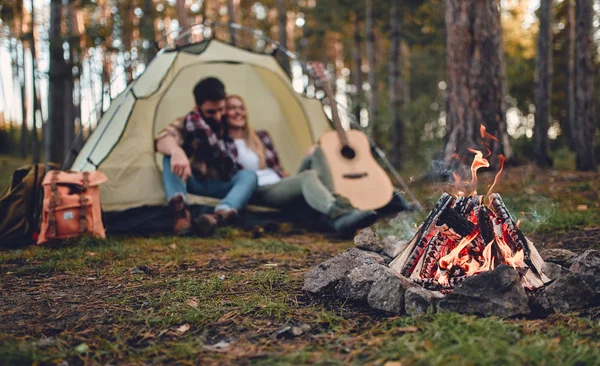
[(463, 237)]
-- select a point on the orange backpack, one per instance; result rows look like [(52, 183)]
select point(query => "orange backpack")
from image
[(71, 205)]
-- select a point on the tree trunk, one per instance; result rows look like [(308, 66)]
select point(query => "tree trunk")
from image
[(405, 74), (396, 99), (147, 30), (231, 14), (543, 87), (569, 126), (282, 20), (72, 79), (58, 73), (357, 73), (36, 101), (127, 29), (476, 78), (182, 18), (372, 95), (22, 82), (584, 88)]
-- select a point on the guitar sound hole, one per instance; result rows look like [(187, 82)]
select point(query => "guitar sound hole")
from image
[(348, 152)]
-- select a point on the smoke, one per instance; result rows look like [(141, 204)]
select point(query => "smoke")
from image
[(404, 226), (533, 213)]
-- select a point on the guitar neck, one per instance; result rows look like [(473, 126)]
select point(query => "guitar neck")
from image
[(335, 115)]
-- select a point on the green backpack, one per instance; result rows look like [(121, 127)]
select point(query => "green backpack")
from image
[(21, 206)]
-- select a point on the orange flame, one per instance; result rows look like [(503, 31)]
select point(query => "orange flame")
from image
[(501, 159), (478, 162), (484, 133), (447, 261)]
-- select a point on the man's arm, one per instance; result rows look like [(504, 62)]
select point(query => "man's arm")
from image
[(180, 164)]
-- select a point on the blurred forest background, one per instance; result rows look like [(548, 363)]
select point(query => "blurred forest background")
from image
[(418, 74)]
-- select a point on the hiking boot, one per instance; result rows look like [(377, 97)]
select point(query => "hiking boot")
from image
[(345, 226), (206, 224), (182, 224)]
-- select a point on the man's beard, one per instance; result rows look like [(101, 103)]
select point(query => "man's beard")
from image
[(215, 125)]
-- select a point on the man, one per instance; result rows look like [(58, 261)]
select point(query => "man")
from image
[(198, 160)]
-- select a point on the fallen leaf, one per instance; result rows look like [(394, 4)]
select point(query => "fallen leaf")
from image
[(92, 254), (82, 348), (393, 363), (217, 347), (407, 329), (582, 207), (193, 303), (173, 246), (182, 329)]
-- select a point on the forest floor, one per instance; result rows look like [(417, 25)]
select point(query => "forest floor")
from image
[(228, 299)]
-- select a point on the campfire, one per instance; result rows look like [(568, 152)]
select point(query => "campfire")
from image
[(468, 234)]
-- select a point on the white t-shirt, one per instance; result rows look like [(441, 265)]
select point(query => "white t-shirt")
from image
[(249, 160)]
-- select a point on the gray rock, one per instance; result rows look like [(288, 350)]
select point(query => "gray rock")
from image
[(392, 246), (421, 301), (562, 257), (367, 239), (554, 271), (356, 285), (571, 292), (387, 292), (325, 276), (498, 292), (588, 263)]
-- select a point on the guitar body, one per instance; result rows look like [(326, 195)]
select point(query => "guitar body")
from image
[(360, 178)]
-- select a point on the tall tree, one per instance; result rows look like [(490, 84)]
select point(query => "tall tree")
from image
[(36, 100), (396, 92), (584, 87), (543, 86), (282, 25), (231, 14), (476, 79), (22, 81), (570, 123), (357, 66), (147, 30), (373, 95), (58, 73), (182, 18)]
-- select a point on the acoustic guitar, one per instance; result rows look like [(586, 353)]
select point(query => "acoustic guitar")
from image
[(355, 173)]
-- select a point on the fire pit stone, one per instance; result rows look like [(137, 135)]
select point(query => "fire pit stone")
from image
[(421, 301), (571, 292), (387, 292), (357, 284), (493, 293), (325, 276), (554, 271), (563, 257), (366, 239), (588, 263)]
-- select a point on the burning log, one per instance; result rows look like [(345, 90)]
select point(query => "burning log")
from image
[(416, 247), (462, 237)]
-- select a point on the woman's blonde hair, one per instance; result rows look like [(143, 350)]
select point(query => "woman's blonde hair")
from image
[(250, 136)]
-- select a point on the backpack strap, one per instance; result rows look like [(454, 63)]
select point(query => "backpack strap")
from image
[(54, 201), (83, 203)]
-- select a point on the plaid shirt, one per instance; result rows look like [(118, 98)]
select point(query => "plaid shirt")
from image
[(212, 157), (271, 157)]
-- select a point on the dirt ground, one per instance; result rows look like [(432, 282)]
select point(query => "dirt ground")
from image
[(233, 298)]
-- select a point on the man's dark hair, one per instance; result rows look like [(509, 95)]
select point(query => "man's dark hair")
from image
[(211, 89)]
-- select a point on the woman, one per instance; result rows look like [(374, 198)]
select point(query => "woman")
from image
[(277, 189)]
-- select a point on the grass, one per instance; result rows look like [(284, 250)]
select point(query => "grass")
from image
[(168, 300)]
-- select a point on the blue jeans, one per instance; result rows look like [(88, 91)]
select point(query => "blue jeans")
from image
[(235, 193)]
